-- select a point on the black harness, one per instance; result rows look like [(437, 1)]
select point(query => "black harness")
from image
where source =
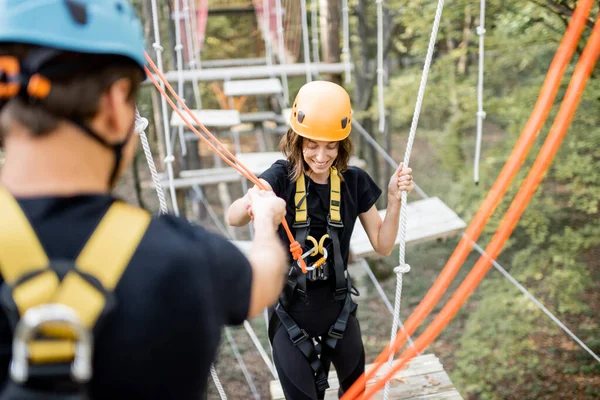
[(319, 360)]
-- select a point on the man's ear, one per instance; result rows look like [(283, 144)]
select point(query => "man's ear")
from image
[(118, 109)]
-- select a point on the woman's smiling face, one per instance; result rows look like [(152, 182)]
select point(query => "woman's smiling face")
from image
[(319, 155)]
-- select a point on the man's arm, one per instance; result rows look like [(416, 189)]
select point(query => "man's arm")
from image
[(267, 256)]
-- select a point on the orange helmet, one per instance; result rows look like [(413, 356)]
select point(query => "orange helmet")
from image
[(322, 112)]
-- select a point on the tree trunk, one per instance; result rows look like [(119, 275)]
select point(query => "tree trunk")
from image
[(462, 61), (330, 35)]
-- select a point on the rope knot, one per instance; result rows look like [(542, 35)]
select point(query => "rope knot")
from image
[(296, 251), (157, 47), (480, 30), (402, 269), (169, 159), (481, 114)]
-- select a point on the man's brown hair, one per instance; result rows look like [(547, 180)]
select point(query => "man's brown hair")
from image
[(291, 146), (78, 80)]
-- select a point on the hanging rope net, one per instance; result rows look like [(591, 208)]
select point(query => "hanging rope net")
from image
[(291, 21)]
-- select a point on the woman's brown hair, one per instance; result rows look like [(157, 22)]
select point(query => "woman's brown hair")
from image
[(291, 147)]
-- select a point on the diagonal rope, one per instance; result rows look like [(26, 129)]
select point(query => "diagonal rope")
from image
[(480, 112), (531, 297), (241, 363), (217, 382), (402, 267), (170, 158)]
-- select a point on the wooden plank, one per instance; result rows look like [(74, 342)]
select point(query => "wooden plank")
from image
[(253, 72), (252, 87), (428, 219), (209, 118), (260, 116), (423, 378)]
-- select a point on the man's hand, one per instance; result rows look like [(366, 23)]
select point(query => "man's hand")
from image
[(265, 208)]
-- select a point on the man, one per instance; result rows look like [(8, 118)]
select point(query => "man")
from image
[(69, 76)]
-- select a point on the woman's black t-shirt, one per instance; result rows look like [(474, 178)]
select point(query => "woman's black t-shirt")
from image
[(358, 194)]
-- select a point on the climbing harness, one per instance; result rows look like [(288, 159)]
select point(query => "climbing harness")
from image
[(54, 306), (320, 269)]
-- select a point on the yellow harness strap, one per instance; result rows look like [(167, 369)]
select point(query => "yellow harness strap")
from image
[(104, 257), (300, 200), (335, 198)]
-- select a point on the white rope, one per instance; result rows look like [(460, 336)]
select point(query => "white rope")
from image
[(402, 267), (281, 50), (242, 364), (314, 27), (179, 60), (140, 128), (191, 46), (480, 113), (305, 40), (380, 69), (261, 349), (267, 31), (531, 297), (169, 158), (346, 46), (383, 296), (217, 382)]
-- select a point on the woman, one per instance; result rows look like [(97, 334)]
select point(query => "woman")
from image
[(315, 324)]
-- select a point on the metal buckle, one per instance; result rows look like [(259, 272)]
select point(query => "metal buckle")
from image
[(322, 384), (336, 333), (340, 293), (335, 224), (28, 327), (301, 337), (305, 224)]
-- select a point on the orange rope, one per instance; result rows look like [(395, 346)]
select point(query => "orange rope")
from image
[(295, 247), (549, 149)]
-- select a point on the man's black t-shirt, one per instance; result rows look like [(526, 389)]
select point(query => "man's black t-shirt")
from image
[(181, 286)]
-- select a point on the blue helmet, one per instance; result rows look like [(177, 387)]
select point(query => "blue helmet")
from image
[(82, 26)]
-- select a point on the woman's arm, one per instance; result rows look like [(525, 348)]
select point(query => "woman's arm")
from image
[(239, 213), (382, 234)]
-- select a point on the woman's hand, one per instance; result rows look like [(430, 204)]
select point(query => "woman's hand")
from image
[(401, 181)]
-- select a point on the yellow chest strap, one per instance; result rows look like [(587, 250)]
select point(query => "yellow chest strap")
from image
[(335, 198), (25, 268)]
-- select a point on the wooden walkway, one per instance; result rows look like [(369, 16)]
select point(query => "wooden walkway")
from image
[(423, 378)]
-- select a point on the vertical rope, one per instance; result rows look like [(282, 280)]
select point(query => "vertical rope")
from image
[(305, 40), (314, 27), (140, 128), (266, 17), (260, 348), (179, 57), (480, 113), (281, 50), (402, 267), (380, 69), (346, 46), (159, 62), (191, 46)]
